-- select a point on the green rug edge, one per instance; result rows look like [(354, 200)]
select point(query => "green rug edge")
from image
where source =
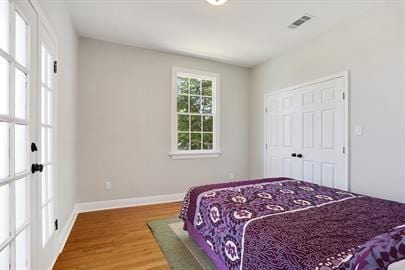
[(176, 253)]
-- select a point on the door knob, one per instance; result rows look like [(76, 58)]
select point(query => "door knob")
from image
[(293, 154), (299, 156), (37, 168)]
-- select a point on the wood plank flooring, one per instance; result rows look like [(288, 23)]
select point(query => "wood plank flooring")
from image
[(116, 239)]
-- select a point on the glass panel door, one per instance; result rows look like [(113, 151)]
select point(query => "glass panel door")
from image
[(17, 129), (48, 242)]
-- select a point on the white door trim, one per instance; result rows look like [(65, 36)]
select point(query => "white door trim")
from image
[(345, 76)]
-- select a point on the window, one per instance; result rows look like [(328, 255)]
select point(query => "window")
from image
[(195, 114)]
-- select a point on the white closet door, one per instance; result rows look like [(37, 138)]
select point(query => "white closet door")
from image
[(323, 133), (305, 134), (283, 135)]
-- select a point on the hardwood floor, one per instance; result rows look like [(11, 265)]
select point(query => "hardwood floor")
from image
[(116, 239)]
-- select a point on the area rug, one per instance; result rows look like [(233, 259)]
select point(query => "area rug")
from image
[(180, 250)]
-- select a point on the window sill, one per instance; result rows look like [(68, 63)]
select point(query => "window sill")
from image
[(196, 155)]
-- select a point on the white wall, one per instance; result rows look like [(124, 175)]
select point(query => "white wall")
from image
[(124, 123), (60, 21), (370, 48)]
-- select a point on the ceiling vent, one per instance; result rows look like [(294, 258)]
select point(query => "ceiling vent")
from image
[(300, 21)]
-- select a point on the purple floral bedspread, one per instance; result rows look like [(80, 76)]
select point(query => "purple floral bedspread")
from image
[(286, 224), (380, 252)]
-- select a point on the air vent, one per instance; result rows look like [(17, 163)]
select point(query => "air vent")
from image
[(300, 21)]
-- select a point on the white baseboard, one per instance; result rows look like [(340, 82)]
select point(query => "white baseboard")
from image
[(122, 203), (111, 204)]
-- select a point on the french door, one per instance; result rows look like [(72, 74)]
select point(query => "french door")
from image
[(306, 133), (47, 245), (18, 78)]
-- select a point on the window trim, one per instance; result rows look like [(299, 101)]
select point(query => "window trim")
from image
[(192, 154)]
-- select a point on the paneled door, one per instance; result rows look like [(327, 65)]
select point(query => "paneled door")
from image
[(306, 131), (282, 129), (18, 51)]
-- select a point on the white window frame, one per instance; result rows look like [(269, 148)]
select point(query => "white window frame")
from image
[(190, 154)]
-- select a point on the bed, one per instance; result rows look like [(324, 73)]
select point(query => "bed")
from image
[(282, 223)]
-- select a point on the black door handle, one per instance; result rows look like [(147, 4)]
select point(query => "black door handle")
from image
[(299, 156), (293, 154), (37, 168), (34, 147)]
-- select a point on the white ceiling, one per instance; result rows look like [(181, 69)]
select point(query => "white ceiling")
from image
[(242, 32)]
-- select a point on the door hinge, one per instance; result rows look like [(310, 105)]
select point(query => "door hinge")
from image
[(56, 225), (344, 96), (55, 67), (265, 145), (344, 150), (266, 110)]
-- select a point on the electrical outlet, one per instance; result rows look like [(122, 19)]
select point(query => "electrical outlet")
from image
[(107, 185)]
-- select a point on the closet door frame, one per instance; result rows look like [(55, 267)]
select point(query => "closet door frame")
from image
[(346, 97)]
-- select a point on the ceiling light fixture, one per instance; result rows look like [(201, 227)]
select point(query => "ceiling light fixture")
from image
[(217, 2)]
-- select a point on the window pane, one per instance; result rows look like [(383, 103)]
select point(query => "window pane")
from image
[(195, 141), (49, 108), (44, 106), (208, 141), (21, 202), (195, 87), (4, 85), (49, 146), (182, 103), (50, 182), (207, 105), (4, 25), (206, 88), (44, 225), (20, 94), (4, 213), (4, 150), (196, 123), (208, 123), (50, 219), (182, 85), (20, 148), (20, 40), (44, 185), (44, 145), (195, 104), (183, 122), (50, 65), (5, 258), (21, 246), (43, 65), (183, 141)]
